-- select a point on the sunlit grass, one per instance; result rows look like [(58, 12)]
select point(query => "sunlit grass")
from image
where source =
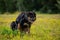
[(46, 27)]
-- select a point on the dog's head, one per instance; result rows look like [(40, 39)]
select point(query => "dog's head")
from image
[(31, 16)]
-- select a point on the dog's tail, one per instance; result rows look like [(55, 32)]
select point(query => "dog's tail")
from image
[(13, 25)]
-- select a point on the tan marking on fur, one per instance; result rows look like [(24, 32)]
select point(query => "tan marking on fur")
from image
[(29, 18), (19, 26), (25, 24)]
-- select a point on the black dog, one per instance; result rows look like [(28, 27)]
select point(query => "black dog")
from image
[(24, 21)]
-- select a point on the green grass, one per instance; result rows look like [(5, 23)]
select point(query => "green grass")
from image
[(46, 27)]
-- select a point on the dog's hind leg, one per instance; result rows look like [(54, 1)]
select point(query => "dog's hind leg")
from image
[(13, 25), (19, 26)]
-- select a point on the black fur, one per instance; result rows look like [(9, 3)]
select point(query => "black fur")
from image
[(13, 25)]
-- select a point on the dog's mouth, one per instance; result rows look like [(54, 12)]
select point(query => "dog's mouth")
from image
[(25, 24)]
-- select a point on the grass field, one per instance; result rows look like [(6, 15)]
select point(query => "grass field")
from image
[(46, 27)]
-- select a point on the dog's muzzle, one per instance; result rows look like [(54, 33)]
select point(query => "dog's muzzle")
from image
[(32, 20)]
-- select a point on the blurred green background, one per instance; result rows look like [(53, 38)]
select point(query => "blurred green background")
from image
[(45, 6)]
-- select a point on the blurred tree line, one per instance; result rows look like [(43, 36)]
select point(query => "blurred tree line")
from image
[(46, 6)]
